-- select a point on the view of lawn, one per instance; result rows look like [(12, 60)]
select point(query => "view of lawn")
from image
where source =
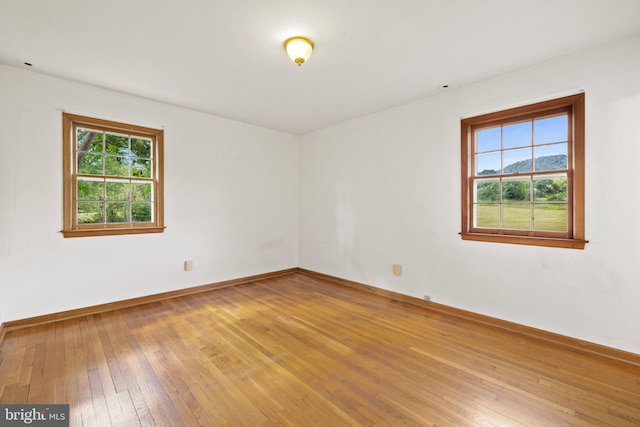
[(546, 216)]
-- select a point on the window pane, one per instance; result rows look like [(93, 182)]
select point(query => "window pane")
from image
[(516, 190), (488, 139), (487, 215), (516, 216), (541, 171), (141, 212), (101, 197), (90, 163), (551, 129), (488, 164), (117, 144), (88, 140), (118, 212), (551, 157), (90, 212), (517, 161), (90, 189), (141, 192), (118, 191), (116, 166), (141, 147), (550, 217), (516, 135), (140, 168), (487, 191), (550, 189)]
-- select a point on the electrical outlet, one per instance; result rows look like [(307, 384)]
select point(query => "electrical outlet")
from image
[(397, 269), (427, 298), (188, 265)]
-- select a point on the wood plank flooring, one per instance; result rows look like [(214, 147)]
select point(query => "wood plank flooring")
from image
[(300, 351)]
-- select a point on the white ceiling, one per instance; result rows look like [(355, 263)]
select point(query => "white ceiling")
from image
[(226, 57)]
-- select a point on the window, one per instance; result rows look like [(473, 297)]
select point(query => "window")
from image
[(523, 175), (112, 178)]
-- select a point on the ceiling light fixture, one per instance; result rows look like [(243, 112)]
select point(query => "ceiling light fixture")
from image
[(299, 49)]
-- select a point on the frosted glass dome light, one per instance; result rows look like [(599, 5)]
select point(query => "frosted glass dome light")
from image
[(299, 49)]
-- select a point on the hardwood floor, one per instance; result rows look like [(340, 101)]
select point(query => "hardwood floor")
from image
[(301, 351)]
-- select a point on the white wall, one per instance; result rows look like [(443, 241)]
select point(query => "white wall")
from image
[(385, 189), (231, 201)]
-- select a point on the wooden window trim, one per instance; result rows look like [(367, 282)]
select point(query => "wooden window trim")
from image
[(70, 226), (575, 238)]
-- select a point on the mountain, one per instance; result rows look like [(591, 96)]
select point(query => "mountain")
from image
[(544, 163)]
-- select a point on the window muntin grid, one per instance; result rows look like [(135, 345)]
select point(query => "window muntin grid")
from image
[(527, 161), (114, 179)]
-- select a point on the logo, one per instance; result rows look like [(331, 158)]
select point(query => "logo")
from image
[(34, 415)]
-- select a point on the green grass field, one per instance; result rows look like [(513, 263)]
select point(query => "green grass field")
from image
[(546, 217)]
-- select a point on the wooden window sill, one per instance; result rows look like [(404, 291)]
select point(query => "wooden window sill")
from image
[(526, 240), (111, 231)]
